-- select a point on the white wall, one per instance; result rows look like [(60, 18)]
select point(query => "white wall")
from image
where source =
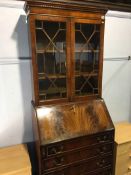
[(15, 74), (116, 72)]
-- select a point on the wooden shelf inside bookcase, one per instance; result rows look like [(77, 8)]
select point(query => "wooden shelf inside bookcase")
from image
[(63, 51), (52, 90), (43, 76)]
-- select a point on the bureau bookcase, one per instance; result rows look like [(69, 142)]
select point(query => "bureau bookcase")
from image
[(73, 130)]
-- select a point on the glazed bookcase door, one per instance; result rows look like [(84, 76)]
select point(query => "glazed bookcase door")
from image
[(87, 56), (67, 55), (51, 58)]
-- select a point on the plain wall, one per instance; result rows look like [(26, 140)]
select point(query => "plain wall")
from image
[(15, 73), (15, 76), (116, 69)]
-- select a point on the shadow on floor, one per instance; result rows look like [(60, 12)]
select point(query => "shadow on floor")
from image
[(32, 154)]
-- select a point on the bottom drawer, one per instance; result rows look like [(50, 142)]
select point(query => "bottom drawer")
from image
[(84, 168), (103, 171)]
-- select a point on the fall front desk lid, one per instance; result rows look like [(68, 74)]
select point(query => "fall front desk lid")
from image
[(61, 122)]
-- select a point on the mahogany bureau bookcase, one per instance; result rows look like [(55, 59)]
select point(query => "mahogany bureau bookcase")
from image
[(73, 130)]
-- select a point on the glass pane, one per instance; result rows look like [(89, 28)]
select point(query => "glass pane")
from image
[(86, 85), (51, 59), (87, 48), (52, 88)]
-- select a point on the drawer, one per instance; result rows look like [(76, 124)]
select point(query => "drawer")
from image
[(90, 165), (123, 159), (74, 144), (123, 172), (75, 156), (123, 164), (123, 149), (129, 170), (102, 171)]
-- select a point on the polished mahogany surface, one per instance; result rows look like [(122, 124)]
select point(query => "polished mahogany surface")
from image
[(73, 130), (84, 5), (60, 122)]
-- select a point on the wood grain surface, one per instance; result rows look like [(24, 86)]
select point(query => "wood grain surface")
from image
[(62, 122), (85, 5), (14, 160)]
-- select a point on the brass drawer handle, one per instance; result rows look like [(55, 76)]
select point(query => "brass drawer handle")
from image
[(102, 139), (101, 163), (55, 150), (129, 168), (59, 161), (102, 150)]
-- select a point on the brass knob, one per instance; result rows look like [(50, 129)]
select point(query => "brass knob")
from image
[(102, 139), (56, 149), (102, 150), (53, 150), (101, 163), (59, 161)]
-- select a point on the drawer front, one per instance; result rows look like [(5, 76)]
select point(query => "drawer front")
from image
[(126, 159), (123, 159), (107, 171), (123, 171), (74, 144), (93, 164), (124, 149), (101, 172), (123, 164), (75, 156)]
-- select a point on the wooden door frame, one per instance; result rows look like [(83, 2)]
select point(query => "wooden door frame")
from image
[(32, 19), (101, 22)]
